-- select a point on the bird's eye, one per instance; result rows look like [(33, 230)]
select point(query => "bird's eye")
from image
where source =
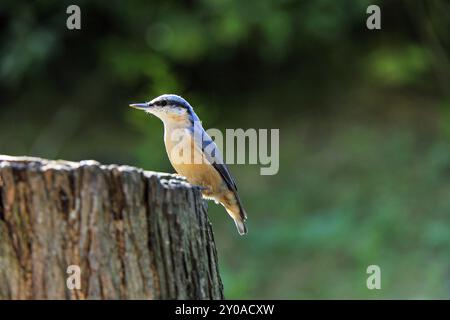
[(164, 103)]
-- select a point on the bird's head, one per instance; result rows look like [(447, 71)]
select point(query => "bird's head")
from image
[(167, 107)]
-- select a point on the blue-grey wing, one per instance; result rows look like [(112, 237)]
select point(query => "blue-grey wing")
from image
[(226, 175), (213, 155)]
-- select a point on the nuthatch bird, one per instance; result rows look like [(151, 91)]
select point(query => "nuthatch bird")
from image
[(204, 166)]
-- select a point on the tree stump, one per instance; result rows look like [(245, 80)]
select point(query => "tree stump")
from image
[(133, 234)]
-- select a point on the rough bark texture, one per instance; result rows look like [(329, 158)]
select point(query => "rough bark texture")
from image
[(134, 234)]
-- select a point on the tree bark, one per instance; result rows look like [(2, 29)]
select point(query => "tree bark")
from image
[(134, 234)]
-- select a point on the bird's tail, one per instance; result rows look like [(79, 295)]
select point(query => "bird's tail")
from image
[(240, 225), (240, 220), (237, 212)]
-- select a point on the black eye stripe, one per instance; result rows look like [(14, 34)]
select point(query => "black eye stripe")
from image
[(178, 104), (163, 103)]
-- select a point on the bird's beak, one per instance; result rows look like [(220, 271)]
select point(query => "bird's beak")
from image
[(140, 106)]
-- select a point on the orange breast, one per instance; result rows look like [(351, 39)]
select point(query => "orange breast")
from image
[(188, 160)]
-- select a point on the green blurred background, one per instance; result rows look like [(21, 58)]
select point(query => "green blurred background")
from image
[(364, 119)]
